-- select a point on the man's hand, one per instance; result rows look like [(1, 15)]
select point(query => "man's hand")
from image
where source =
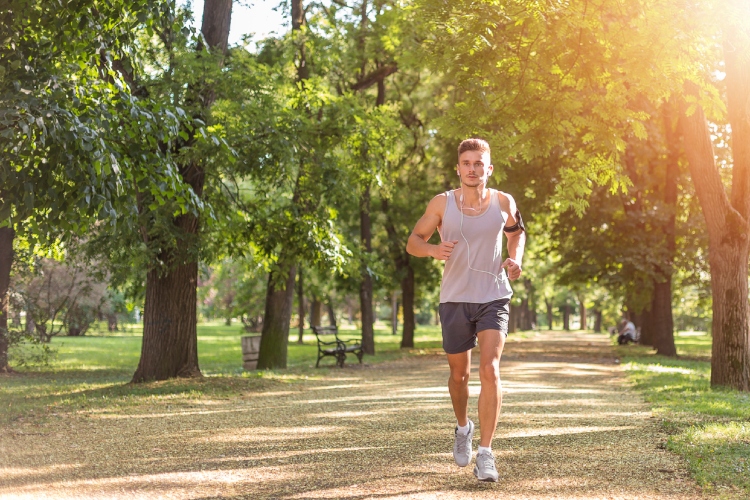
[(443, 250), (513, 267)]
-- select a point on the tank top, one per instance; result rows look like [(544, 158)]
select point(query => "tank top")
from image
[(463, 280)]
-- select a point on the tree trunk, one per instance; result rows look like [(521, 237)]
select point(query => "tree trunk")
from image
[(661, 317), (300, 305), (407, 300), (661, 304), (298, 20), (112, 322), (7, 234), (277, 318), (597, 321), (30, 327), (331, 312), (582, 306), (394, 312), (512, 318), (170, 336), (170, 340), (550, 313), (727, 224), (566, 317), (316, 312), (366, 285)]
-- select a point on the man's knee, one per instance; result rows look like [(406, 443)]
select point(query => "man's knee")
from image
[(460, 377), (489, 372)]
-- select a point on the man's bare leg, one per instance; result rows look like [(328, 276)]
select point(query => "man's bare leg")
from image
[(491, 343), (458, 385)]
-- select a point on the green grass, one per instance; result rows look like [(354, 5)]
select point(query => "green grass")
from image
[(709, 427), (94, 371)]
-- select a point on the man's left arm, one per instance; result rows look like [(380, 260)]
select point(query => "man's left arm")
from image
[(516, 234)]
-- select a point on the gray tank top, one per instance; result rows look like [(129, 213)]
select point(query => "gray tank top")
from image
[(466, 277)]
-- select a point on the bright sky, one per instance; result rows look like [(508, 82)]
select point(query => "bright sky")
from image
[(256, 17)]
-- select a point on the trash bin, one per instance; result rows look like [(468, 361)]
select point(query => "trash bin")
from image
[(250, 350)]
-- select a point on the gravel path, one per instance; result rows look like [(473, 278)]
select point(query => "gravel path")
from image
[(570, 429)]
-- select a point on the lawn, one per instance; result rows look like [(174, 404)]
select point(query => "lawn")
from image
[(94, 370), (709, 427)]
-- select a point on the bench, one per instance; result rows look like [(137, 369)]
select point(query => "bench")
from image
[(329, 344)]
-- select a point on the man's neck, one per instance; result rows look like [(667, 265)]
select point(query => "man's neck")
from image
[(474, 194)]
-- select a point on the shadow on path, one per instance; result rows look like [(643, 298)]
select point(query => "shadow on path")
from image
[(570, 428)]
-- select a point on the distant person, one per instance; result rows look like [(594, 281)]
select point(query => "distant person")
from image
[(627, 332), (474, 292)]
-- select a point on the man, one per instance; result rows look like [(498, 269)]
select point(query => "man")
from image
[(474, 293), (627, 332)]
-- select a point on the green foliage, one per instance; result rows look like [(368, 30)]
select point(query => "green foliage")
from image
[(66, 105), (541, 79)]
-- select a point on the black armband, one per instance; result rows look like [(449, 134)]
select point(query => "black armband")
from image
[(518, 226)]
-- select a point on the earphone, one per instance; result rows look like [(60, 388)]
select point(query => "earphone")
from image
[(501, 278)]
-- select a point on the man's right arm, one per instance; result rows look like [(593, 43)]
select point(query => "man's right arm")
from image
[(417, 244)]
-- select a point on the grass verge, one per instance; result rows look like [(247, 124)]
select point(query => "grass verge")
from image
[(93, 372), (710, 428)]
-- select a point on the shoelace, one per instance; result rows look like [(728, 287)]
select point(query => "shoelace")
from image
[(461, 442), (487, 457)]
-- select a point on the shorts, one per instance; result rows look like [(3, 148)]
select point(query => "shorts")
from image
[(462, 320)]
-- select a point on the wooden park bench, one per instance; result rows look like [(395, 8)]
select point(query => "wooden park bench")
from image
[(330, 344)]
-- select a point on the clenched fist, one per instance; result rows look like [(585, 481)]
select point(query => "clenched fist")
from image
[(443, 250), (513, 267)]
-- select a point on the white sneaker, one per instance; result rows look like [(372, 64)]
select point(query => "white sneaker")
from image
[(462, 446), (485, 469)]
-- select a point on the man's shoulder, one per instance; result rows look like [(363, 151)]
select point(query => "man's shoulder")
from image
[(438, 202), (507, 202)]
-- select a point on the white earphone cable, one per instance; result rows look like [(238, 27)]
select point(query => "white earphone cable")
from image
[(498, 279)]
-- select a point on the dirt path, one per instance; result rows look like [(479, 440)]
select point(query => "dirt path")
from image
[(570, 429)]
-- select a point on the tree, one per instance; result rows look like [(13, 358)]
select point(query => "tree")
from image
[(170, 339), (65, 104), (727, 217)]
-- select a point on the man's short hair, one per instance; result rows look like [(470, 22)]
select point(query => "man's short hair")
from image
[(473, 145)]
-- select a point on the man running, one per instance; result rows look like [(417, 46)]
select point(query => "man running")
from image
[(474, 293)]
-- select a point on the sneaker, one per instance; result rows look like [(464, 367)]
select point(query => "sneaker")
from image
[(485, 469), (462, 446)]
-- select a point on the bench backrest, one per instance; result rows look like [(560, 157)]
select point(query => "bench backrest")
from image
[(326, 335), (325, 330)]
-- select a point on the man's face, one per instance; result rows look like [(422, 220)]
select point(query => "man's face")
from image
[(474, 168)]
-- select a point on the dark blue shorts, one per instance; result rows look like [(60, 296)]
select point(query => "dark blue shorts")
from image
[(462, 320)]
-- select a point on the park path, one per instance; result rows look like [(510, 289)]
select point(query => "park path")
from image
[(570, 429)]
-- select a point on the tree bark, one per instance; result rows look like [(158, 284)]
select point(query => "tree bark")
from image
[(727, 224), (7, 234), (550, 313), (566, 317), (298, 20), (394, 312), (597, 321), (366, 285), (112, 322), (300, 306), (278, 313), (512, 318), (170, 335), (661, 317), (407, 301), (316, 312), (170, 340), (582, 306), (661, 304), (331, 312)]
